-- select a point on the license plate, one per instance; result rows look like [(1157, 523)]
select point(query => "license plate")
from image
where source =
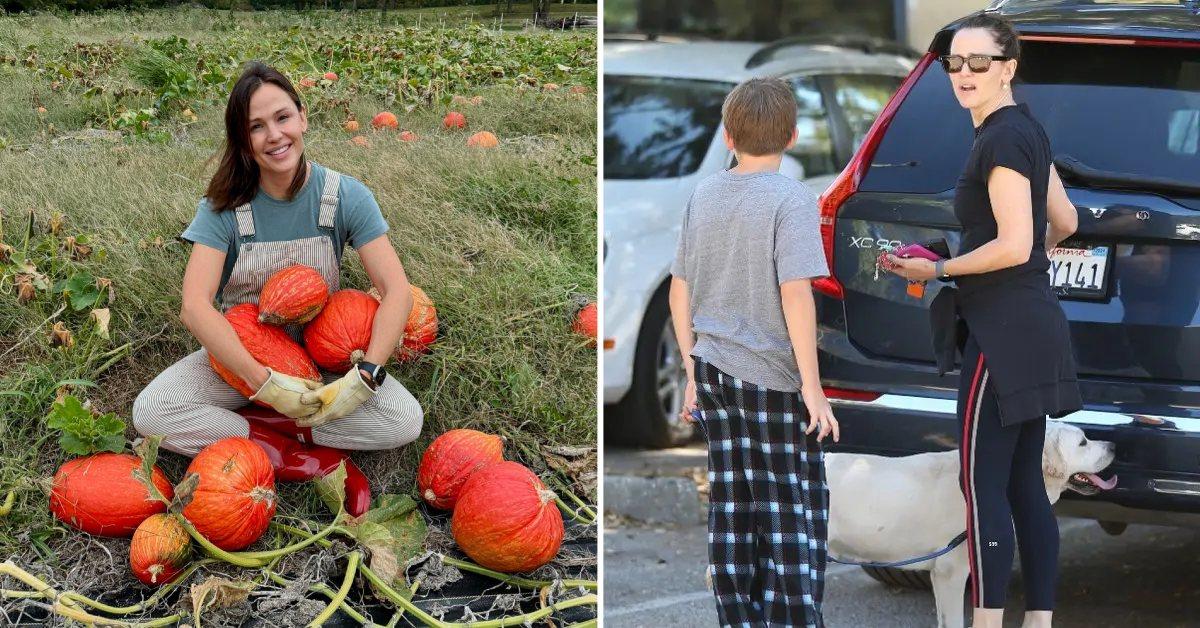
[(1080, 270)]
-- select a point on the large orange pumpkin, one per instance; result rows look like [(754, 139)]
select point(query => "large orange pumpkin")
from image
[(270, 345), (99, 495), (422, 327), (450, 460), (340, 334), (292, 295), (235, 499), (160, 549), (506, 519)]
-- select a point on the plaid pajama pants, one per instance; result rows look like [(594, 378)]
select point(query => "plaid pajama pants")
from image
[(769, 503)]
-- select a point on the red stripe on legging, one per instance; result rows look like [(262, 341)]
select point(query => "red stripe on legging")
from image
[(966, 466)]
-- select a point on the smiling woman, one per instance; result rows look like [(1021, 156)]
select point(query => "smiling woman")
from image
[(268, 208)]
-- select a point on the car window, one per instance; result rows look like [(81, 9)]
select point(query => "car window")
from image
[(861, 97), (658, 128), (1133, 110), (814, 148)]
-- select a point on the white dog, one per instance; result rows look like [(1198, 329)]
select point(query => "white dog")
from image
[(890, 509)]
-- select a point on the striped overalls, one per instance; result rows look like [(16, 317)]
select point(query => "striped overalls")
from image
[(192, 406)]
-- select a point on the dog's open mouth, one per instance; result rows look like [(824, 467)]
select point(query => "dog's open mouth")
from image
[(1090, 483)]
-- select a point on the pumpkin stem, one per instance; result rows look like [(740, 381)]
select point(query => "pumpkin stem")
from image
[(260, 494), (356, 356), (546, 495), (429, 495), (154, 570)]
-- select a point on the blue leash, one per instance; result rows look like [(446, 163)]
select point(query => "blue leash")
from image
[(958, 540), (900, 563)]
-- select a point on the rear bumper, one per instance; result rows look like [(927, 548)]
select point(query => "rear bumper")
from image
[(1157, 457)]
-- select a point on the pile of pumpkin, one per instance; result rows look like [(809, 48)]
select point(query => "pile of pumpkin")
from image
[(504, 517), (337, 327)]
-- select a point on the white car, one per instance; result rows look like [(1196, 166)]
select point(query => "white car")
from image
[(662, 135)]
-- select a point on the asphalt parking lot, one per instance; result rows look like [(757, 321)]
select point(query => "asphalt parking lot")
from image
[(1147, 577)]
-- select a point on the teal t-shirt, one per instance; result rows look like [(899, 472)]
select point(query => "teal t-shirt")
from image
[(358, 221)]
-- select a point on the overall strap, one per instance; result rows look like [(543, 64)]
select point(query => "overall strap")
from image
[(329, 199), (245, 221)]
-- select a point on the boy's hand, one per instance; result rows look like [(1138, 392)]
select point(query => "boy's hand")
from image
[(689, 402), (820, 414)]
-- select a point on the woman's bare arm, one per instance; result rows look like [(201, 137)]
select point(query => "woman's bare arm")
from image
[(200, 282), (1061, 216), (1012, 206)]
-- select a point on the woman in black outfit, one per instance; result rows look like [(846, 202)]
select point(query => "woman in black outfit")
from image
[(1018, 365)]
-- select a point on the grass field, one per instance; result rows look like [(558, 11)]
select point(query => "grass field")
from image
[(107, 123)]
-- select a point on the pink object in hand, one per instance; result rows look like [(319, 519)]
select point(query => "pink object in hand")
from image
[(915, 250)]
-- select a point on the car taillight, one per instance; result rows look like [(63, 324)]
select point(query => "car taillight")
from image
[(850, 395), (846, 183)]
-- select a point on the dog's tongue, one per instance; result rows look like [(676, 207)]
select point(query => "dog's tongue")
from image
[(1104, 484)]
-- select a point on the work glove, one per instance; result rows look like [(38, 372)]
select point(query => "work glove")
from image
[(337, 398), (284, 394)]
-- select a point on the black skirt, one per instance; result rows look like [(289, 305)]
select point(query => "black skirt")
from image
[(1020, 326)]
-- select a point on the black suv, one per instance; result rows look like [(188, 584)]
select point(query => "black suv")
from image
[(1117, 88)]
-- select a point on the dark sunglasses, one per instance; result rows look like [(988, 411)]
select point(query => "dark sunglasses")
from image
[(976, 63)]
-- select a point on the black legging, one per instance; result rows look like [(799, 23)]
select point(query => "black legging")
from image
[(1001, 479)]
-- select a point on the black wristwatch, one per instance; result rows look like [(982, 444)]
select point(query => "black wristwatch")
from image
[(376, 371)]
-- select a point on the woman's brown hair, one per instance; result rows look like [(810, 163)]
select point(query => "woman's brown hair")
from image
[(236, 180)]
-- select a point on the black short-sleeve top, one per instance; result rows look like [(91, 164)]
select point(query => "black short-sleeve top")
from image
[(1012, 138)]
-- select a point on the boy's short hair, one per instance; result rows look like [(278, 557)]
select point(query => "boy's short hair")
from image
[(760, 115)]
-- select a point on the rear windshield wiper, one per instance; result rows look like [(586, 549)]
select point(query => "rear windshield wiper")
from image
[(1072, 168)]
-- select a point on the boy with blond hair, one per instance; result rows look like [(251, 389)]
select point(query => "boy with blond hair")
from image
[(749, 247)]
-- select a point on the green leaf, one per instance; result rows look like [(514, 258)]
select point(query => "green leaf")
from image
[(67, 414), (331, 488), (394, 532), (147, 450), (74, 445), (112, 442), (109, 424)]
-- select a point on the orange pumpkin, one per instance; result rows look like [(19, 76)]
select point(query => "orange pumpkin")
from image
[(483, 139), (292, 295), (271, 346), (235, 499), (506, 519), (450, 460), (585, 322), (408, 136), (340, 334), (421, 329), (454, 120), (99, 495), (384, 119), (160, 549)]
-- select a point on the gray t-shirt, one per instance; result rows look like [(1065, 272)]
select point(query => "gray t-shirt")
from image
[(744, 235), (358, 221)]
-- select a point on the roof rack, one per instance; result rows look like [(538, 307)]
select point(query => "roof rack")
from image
[(867, 44)]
